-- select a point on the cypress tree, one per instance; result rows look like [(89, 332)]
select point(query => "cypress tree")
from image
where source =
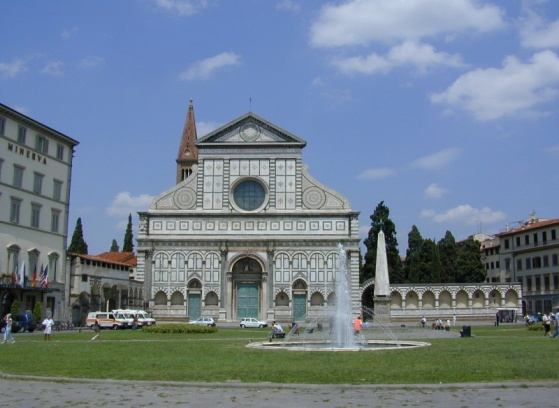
[(412, 266), (429, 263), (469, 265), (128, 245), (381, 220), (78, 244), (114, 246), (448, 255)]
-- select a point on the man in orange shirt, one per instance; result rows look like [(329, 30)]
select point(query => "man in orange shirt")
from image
[(357, 325)]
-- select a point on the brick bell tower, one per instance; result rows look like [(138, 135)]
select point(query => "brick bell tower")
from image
[(188, 152)]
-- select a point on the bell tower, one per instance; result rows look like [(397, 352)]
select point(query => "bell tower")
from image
[(188, 152)]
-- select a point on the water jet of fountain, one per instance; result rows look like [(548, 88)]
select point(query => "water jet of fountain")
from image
[(343, 330)]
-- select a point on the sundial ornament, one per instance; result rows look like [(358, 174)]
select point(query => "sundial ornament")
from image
[(250, 132)]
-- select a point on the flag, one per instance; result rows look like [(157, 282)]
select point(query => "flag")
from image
[(21, 277), (34, 276), (44, 277)]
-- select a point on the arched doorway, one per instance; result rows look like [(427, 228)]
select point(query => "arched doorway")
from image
[(299, 290), (247, 286), (194, 308)]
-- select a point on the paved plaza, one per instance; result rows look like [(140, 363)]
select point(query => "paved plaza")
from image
[(35, 392)]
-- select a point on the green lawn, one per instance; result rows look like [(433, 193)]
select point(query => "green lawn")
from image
[(492, 355)]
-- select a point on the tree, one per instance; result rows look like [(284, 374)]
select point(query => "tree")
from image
[(37, 311), (128, 245), (114, 246), (381, 220), (448, 254), (469, 265), (411, 267), (78, 244), (429, 262)]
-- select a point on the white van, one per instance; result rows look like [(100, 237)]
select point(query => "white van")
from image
[(107, 320), (143, 317)]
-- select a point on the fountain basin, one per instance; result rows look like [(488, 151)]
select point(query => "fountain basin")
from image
[(324, 345)]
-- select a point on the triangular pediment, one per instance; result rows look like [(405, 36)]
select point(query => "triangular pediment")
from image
[(250, 129)]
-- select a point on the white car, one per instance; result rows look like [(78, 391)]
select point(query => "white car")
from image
[(204, 321), (252, 322)]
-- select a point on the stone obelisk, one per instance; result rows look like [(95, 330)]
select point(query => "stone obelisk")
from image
[(382, 284)]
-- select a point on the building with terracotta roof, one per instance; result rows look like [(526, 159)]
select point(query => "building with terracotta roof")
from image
[(246, 231), (35, 177), (102, 282)]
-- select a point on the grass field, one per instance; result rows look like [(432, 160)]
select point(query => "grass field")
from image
[(506, 353)]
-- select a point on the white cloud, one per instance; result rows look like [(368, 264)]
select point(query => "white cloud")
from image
[(412, 53), (376, 174), (288, 5), (92, 61), (360, 22), (12, 69), (181, 7), (54, 68), (68, 32), (203, 69), (203, 128), (535, 32), (465, 214), (434, 191), (124, 203), (437, 160), (514, 89)]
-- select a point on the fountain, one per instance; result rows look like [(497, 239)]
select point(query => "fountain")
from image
[(341, 336)]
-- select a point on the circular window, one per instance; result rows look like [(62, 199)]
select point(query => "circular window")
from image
[(249, 195)]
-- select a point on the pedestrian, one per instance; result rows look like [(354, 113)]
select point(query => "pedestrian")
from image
[(546, 325), (423, 321), (97, 328), (357, 325), (556, 334), (8, 338), (497, 319), (47, 327)]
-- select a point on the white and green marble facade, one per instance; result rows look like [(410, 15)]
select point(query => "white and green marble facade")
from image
[(196, 242)]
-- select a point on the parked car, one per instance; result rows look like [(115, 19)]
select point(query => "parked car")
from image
[(107, 320), (204, 321), (252, 322), (23, 322)]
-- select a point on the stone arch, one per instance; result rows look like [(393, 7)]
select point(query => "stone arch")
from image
[(299, 284), (478, 299), (461, 299), (511, 298), (331, 299), (282, 299), (428, 300), (495, 298), (194, 283), (211, 299), (395, 300), (160, 299), (177, 299), (445, 300), (317, 299), (247, 264), (412, 300)]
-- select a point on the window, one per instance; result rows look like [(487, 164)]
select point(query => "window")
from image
[(526, 239), (38, 182), (538, 284), (545, 261), (2, 125), (21, 134), (553, 236), (528, 263), (517, 242), (54, 220), (15, 208), (556, 281), (544, 236), (497, 264), (84, 277), (492, 265), (53, 267), (529, 283), (536, 238), (33, 263), (18, 176), (35, 215), (506, 244), (42, 144), (507, 264), (60, 151), (546, 282), (13, 259), (536, 262), (519, 264), (1, 162), (554, 259), (57, 190), (249, 195)]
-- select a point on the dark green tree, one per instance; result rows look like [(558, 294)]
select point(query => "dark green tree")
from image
[(128, 245), (412, 270), (468, 264), (448, 253), (37, 312), (78, 244), (381, 220), (429, 263), (114, 246)]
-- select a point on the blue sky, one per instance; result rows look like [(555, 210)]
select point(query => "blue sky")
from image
[(445, 109)]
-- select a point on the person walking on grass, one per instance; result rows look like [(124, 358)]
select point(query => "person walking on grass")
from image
[(47, 327), (8, 338), (97, 328)]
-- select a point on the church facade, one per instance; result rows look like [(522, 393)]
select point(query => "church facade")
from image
[(246, 231)]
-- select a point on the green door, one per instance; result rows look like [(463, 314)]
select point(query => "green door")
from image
[(247, 300), (194, 306), (299, 307)]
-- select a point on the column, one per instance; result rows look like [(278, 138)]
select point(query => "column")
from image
[(148, 278)]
